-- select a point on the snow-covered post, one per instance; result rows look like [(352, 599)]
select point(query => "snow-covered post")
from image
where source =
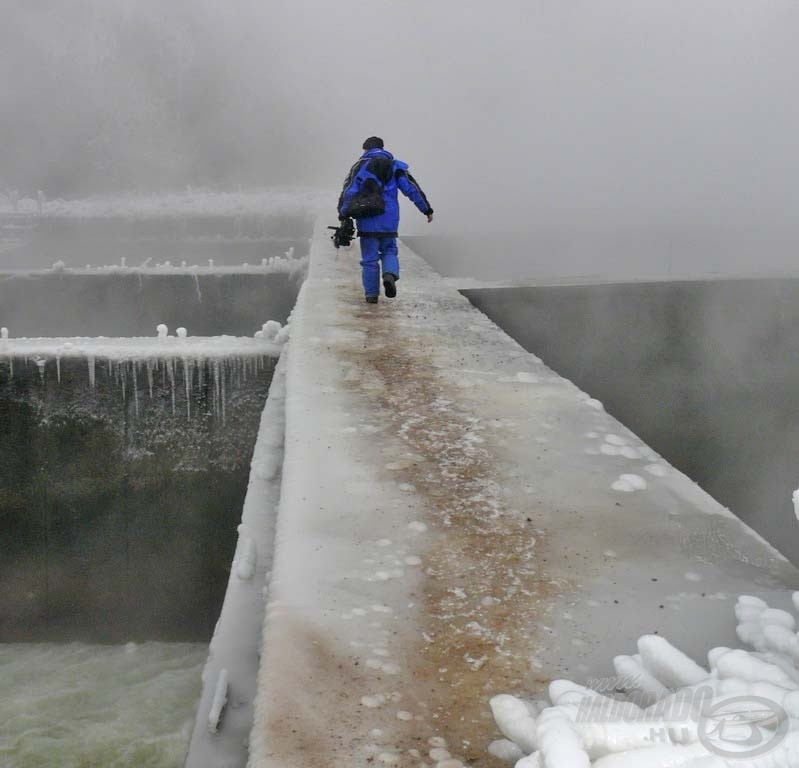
[(3, 335), (270, 330), (163, 331), (796, 503), (182, 332)]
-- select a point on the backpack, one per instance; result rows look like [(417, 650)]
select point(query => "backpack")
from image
[(369, 201)]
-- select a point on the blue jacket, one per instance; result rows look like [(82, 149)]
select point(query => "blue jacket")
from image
[(393, 175)]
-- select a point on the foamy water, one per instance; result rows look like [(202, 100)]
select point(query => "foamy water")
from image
[(94, 706)]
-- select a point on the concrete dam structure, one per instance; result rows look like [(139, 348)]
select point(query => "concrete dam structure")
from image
[(341, 532)]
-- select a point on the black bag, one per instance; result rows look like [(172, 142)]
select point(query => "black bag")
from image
[(368, 202)]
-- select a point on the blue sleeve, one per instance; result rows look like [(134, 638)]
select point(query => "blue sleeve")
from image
[(411, 189)]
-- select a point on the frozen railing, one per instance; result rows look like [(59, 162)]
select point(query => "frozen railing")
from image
[(178, 361)]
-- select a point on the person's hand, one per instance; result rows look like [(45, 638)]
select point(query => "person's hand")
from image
[(429, 218)]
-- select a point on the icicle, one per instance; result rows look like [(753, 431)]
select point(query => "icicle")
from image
[(124, 374), (58, 367), (187, 378), (217, 388), (41, 363), (135, 389), (224, 371), (197, 286), (150, 376), (92, 372), (170, 366)]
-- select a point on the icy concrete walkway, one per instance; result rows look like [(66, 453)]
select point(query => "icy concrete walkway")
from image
[(458, 521)]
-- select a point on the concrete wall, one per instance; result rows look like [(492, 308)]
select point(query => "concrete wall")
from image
[(63, 304), (119, 508), (705, 372)]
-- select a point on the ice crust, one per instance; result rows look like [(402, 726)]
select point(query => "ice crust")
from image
[(235, 646)]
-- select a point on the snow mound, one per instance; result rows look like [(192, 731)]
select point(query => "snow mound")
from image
[(663, 710)]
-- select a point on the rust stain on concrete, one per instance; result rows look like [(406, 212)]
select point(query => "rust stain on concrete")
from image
[(485, 583)]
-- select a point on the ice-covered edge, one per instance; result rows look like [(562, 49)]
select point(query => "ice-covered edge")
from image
[(119, 349), (273, 266), (190, 203), (236, 644)]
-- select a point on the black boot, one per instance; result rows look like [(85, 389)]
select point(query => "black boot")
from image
[(390, 284), (371, 299)]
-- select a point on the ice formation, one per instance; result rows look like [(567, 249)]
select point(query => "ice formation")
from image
[(135, 364), (190, 203), (663, 710), (283, 265), (219, 701)]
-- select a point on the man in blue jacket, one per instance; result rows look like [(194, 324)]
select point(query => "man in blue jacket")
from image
[(370, 197)]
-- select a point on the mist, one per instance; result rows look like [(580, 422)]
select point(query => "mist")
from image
[(550, 137), (136, 95)]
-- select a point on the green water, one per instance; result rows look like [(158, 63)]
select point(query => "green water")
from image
[(94, 706)]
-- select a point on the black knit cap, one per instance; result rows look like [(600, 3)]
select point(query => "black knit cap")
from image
[(373, 142)]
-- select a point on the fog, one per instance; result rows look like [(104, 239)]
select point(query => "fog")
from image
[(592, 135), (704, 372)]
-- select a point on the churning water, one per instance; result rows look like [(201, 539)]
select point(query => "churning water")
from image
[(93, 706)]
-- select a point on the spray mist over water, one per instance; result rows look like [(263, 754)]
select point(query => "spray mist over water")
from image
[(114, 95), (601, 136)]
